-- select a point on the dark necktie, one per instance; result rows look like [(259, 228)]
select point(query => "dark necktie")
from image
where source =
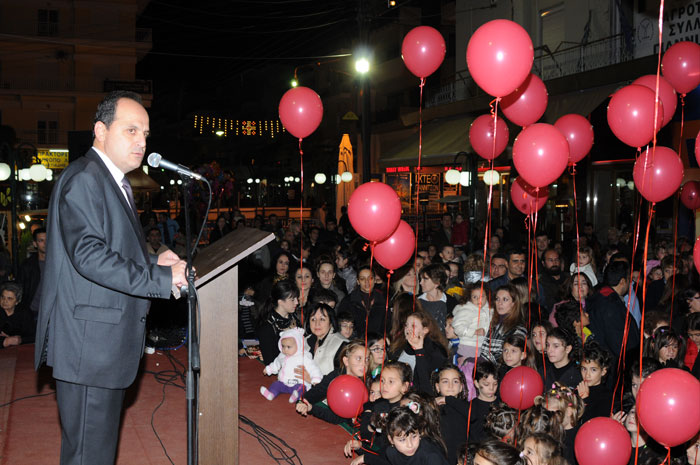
[(130, 195)]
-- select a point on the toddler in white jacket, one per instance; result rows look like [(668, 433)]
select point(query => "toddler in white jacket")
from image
[(292, 355), (470, 325)]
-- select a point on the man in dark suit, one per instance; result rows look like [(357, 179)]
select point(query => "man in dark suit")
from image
[(96, 283)]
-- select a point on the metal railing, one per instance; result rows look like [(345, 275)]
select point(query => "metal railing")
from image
[(565, 60), (57, 84)]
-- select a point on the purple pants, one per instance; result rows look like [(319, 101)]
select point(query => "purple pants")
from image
[(278, 387)]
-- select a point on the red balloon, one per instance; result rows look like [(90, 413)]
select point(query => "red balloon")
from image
[(526, 198), (527, 103), (690, 195), (394, 252), (481, 136), (346, 395), (499, 56), (540, 154), (696, 254), (681, 66), (658, 173), (601, 441), (667, 94), (579, 133), (301, 111), (520, 386), (668, 406), (423, 50), (374, 210), (631, 115)]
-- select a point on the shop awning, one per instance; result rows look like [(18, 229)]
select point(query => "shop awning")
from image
[(581, 102), (442, 140)]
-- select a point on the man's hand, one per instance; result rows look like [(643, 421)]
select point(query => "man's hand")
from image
[(178, 271), (303, 407), (168, 258), (301, 374)]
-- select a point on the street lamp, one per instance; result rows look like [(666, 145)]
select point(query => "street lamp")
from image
[(320, 178), (362, 66)]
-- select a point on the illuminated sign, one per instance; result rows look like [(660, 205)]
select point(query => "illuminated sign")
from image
[(53, 159), (209, 125), (398, 169)]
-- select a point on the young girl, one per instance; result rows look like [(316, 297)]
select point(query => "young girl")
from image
[(449, 383), (486, 381), (494, 452), (666, 346), (542, 449), (566, 401), (452, 339), (585, 264), (395, 381), (561, 366), (539, 420), (537, 342), (377, 345), (514, 354), (407, 433), (500, 423), (353, 360), (595, 393), (374, 389), (507, 317), (471, 321), (422, 346)]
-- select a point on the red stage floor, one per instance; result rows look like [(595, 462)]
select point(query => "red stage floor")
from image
[(30, 432)]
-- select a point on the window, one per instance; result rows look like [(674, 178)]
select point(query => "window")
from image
[(47, 22), (47, 132)]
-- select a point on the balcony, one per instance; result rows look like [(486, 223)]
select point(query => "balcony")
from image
[(68, 85), (563, 61), (84, 33)]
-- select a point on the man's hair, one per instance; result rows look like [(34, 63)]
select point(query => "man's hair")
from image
[(615, 271), (153, 229), (108, 107), (499, 255), (515, 251), (38, 231), (436, 273)]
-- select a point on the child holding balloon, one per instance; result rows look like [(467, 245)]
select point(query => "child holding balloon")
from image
[(353, 360), (395, 381)]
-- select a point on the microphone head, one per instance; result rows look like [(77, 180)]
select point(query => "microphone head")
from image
[(154, 160)]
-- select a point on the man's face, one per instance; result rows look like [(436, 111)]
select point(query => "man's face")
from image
[(330, 225), (154, 238), (124, 141), (313, 235), (499, 266), (552, 262), (447, 221), (40, 243), (588, 230), (542, 243), (516, 264)]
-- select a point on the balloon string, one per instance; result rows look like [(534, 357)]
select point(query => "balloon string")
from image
[(578, 247), (658, 72), (675, 244), (486, 240), (418, 175), (386, 312), (680, 139), (369, 304), (301, 248)]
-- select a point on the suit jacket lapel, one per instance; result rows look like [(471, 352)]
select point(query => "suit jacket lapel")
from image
[(128, 212)]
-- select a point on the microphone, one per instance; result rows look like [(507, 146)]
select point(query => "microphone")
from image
[(155, 160)]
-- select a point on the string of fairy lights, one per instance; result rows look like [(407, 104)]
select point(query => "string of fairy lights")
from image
[(224, 127)]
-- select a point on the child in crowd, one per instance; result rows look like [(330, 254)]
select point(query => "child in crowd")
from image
[(538, 420), (656, 273), (494, 452), (410, 441), (514, 354), (501, 423), (395, 381), (486, 381), (474, 269), (377, 346), (450, 395), (561, 363), (346, 323), (566, 401), (666, 346), (471, 320), (542, 449), (692, 360), (538, 341), (572, 318), (353, 359), (452, 339), (292, 355), (585, 264), (593, 390), (374, 389)]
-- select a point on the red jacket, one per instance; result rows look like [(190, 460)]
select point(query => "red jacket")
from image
[(460, 233)]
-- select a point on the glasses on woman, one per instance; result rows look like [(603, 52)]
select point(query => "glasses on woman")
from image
[(377, 349)]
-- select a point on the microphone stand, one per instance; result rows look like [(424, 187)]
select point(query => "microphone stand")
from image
[(193, 361)]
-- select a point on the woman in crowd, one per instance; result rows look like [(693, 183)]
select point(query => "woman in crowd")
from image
[(323, 338), (507, 317), (366, 304), (221, 228), (16, 324), (280, 271), (277, 315), (344, 262), (403, 281), (325, 272), (576, 288), (433, 279), (304, 280)]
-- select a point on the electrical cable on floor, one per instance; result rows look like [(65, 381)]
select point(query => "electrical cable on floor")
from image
[(27, 397), (270, 442)]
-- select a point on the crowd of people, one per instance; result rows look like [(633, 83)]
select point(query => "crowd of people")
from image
[(433, 340)]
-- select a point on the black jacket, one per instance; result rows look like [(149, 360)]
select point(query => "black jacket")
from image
[(358, 304), (428, 359), (608, 312)]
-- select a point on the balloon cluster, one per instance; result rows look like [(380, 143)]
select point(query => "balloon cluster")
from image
[(374, 210)]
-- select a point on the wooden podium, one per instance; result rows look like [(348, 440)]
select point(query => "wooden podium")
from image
[(217, 287)]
